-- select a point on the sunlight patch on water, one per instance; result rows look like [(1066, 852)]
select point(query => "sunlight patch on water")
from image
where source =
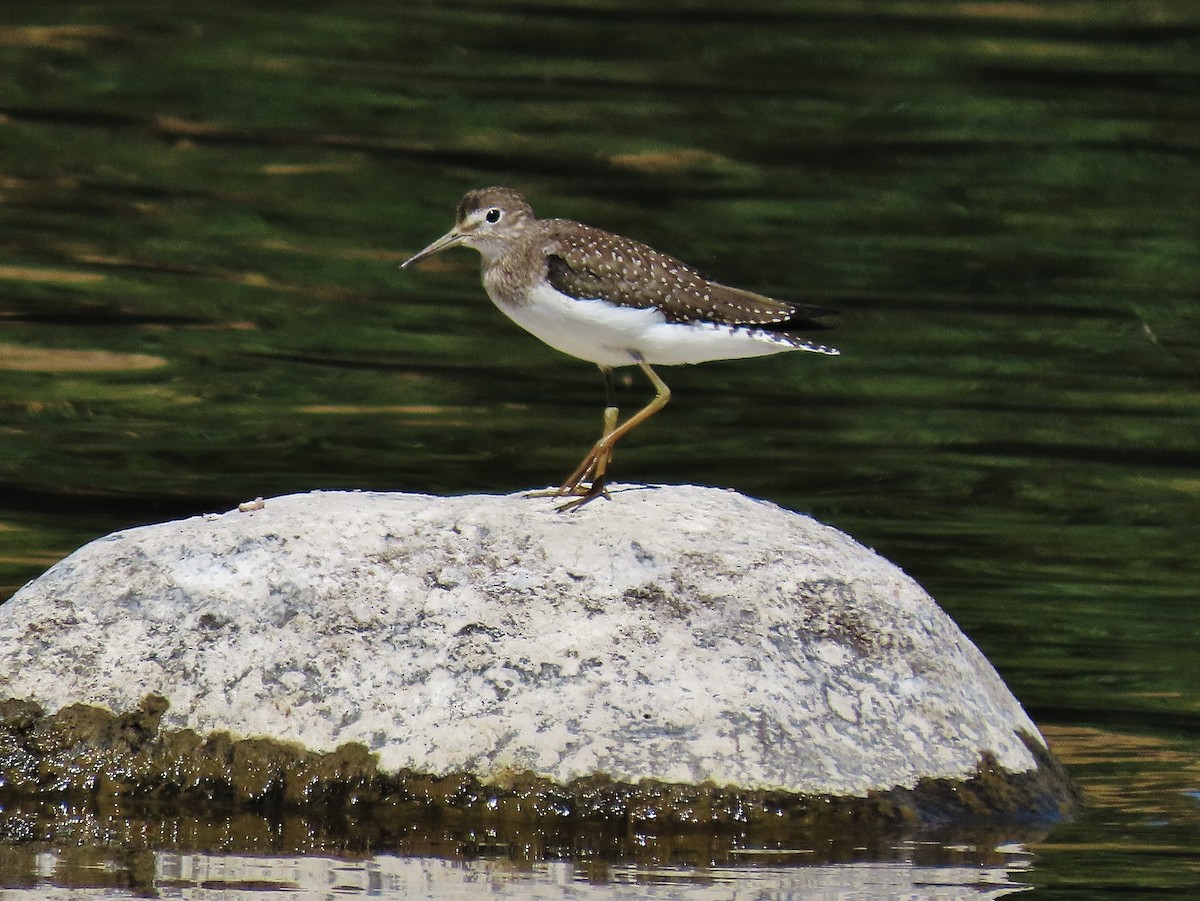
[(336, 253), (306, 168), (56, 37), (46, 359), (655, 162), (1140, 775), (49, 276), (366, 409)]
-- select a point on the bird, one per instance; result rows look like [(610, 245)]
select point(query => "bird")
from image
[(614, 302)]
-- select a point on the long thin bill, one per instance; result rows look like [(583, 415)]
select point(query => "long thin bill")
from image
[(446, 241)]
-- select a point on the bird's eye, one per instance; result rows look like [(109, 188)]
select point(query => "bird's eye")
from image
[(492, 215)]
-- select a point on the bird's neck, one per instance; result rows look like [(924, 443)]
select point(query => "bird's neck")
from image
[(510, 270)]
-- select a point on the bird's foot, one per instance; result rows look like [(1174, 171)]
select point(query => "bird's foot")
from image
[(588, 482), (557, 492), (591, 469), (585, 494), (580, 494), (562, 491)]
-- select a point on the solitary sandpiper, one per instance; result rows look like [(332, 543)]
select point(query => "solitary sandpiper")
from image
[(615, 302)]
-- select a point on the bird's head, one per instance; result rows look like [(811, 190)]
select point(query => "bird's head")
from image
[(486, 220)]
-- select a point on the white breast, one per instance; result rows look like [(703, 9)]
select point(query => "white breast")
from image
[(608, 335)]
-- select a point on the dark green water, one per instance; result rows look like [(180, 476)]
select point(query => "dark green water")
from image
[(201, 214)]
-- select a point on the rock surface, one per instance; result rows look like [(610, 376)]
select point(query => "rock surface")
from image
[(678, 634)]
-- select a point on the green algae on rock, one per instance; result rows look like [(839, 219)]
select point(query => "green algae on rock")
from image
[(83, 753)]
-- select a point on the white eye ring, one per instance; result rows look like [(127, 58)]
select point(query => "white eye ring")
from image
[(492, 215)]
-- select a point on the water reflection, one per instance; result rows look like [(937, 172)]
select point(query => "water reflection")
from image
[(230, 877)]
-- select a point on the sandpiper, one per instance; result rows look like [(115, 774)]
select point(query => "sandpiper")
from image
[(614, 302)]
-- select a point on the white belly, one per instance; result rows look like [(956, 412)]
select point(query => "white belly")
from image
[(607, 335)]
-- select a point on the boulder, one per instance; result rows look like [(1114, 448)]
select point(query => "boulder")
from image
[(677, 634)]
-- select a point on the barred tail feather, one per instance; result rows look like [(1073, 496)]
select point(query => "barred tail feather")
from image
[(801, 343)]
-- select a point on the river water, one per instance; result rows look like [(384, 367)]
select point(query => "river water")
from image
[(201, 216)]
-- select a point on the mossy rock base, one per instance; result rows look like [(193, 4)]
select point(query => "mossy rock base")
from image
[(126, 767)]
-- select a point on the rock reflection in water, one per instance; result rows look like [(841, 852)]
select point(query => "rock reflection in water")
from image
[(230, 877)]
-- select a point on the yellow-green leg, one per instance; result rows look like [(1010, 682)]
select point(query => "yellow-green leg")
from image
[(610, 426), (611, 414), (594, 467)]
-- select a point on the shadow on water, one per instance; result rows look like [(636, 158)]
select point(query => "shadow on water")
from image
[(201, 214)]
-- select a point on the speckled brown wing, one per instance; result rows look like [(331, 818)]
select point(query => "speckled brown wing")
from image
[(590, 264)]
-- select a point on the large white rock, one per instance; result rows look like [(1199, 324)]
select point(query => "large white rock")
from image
[(681, 634)]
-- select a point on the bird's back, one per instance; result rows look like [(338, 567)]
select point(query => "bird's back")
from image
[(589, 263)]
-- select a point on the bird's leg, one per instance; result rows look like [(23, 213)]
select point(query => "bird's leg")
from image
[(595, 464), (610, 401), (610, 425), (611, 414)]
